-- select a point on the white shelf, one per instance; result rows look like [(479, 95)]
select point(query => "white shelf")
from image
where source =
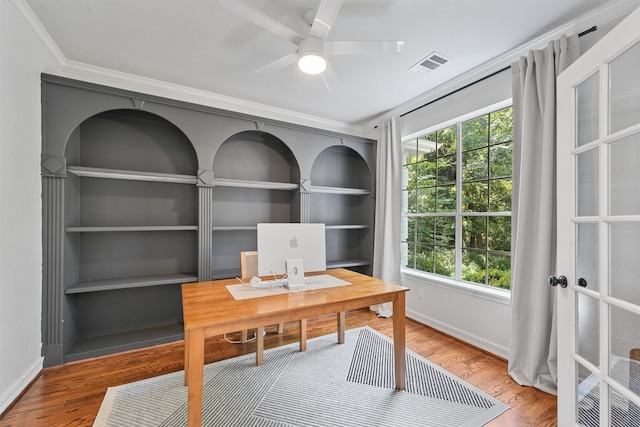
[(236, 228), (340, 190), (130, 282), (131, 175), (266, 185), (132, 228), (348, 227), (345, 263)]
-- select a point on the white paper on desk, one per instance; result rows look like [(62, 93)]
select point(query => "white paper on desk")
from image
[(240, 292)]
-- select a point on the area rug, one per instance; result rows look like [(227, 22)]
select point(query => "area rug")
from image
[(328, 385)]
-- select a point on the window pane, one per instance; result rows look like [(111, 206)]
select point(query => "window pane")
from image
[(500, 195), (474, 266), (445, 261), (475, 197), (409, 176), (426, 200), (475, 133), (410, 197), (445, 227), (446, 172), (475, 165), (499, 233), (424, 258), (446, 199), (474, 232), (427, 147), (501, 125), (409, 151), (409, 256), (500, 160), (409, 234), (499, 271), (425, 174), (425, 230), (447, 141)]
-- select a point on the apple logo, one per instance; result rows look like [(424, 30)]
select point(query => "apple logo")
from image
[(293, 242)]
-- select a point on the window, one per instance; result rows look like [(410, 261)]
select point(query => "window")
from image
[(457, 200)]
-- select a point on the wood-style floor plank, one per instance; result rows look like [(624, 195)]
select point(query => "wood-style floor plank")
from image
[(71, 394)]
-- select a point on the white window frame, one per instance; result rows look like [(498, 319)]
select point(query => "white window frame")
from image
[(476, 289)]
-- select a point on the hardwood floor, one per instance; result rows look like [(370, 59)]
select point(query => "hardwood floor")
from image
[(70, 395)]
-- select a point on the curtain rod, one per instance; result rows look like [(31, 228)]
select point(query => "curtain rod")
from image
[(585, 32)]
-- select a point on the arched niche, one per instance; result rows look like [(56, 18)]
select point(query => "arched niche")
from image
[(341, 166), (342, 199), (256, 180), (256, 156), (129, 139)]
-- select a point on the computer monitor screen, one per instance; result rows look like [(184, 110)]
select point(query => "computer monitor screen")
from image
[(279, 242)]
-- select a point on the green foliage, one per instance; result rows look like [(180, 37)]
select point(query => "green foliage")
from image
[(431, 194)]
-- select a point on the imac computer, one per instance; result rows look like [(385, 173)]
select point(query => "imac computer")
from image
[(291, 249)]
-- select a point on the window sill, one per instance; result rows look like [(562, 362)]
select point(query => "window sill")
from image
[(500, 296)]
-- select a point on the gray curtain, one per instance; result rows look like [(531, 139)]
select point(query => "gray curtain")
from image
[(532, 345), (386, 249)]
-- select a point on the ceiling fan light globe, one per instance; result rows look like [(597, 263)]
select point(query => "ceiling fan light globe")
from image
[(312, 63)]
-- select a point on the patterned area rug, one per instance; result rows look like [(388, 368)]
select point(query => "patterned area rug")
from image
[(328, 385)]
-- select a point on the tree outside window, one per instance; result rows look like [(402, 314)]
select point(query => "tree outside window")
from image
[(457, 200)]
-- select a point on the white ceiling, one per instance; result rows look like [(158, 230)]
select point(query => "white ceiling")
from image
[(200, 45)]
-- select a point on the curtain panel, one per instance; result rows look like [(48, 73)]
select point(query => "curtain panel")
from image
[(532, 345), (386, 248)]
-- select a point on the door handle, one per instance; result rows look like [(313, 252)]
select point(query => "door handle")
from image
[(553, 281), (582, 282)]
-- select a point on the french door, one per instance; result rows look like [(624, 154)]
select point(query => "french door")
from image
[(598, 168)]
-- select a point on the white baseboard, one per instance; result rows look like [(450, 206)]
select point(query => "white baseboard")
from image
[(461, 335), (13, 392)]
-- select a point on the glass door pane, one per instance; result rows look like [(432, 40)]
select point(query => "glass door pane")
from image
[(624, 91), (587, 110)]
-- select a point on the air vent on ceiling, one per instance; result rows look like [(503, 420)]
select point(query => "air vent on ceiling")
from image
[(432, 62)]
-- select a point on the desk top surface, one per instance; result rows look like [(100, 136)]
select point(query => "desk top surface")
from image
[(207, 304)]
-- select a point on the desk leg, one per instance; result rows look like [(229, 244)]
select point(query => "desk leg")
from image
[(260, 345), (399, 340), (194, 339), (341, 327), (303, 335)]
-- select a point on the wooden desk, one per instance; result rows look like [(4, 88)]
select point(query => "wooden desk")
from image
[(209, 310)]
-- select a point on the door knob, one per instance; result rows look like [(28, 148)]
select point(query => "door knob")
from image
[(553, 281), (582, 282)]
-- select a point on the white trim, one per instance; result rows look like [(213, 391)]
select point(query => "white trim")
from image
[(116, 79), (500, 296), (463, 118), (461, 335), (21, 385)]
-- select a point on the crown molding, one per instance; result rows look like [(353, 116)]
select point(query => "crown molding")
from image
[(135, 83), (25, 15), (601, 14)]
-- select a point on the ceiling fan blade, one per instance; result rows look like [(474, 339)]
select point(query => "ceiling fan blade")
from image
[(364, 47), (278, 64), (326, 14), (330, 79), (253, 15)]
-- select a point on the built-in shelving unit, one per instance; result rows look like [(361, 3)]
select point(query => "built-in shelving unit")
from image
[(132, 232), (142, 194), (342, 199)]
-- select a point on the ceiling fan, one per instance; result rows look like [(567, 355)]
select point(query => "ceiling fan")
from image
[(313, 47)]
